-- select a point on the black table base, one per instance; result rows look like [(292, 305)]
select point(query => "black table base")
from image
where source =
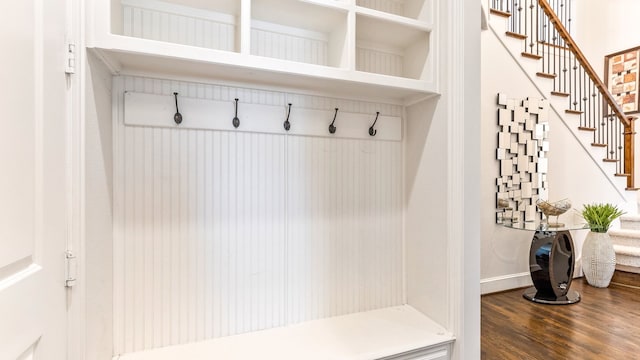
[(571, 297), (551, 262)]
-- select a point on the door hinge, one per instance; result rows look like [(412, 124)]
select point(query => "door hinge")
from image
[(70, 61), (71, 268)]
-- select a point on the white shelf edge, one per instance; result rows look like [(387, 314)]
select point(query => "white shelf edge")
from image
[(397, 19), (130, 55), (343, 6)]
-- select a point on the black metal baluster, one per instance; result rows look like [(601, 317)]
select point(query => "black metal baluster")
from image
[(568, 26), (598, 113), (564, 70), (575, 83), (555, 60), (531, 29), (583, 96)]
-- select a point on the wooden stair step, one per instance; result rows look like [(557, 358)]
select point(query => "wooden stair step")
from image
[(610, 160), (546, 75), (500, 13), (598, 145), (625, 278), (515, 35), (531, 56), (576, 112), (632, 189), (584, 128), (558, 93), (622, 175)]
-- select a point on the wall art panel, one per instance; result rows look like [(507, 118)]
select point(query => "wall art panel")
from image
[(522, 155)]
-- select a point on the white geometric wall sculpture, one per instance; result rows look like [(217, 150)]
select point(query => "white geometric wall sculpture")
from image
[(523, 144)]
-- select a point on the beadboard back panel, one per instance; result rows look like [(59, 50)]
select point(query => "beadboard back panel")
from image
[(288, 43), (379, 61), (163, 21), (223, 232)]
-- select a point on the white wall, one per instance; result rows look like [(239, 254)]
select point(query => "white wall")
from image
[(572, 173), (99, 191), (425, 214), (603, 27)]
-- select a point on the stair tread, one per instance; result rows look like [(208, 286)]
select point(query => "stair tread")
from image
[(515, 35), (500, 13), (610, 160), (626, 276), (622, 175), (586, 128), (559, 93), (627, 250), (630, 233), (569, 111), (531, 56), (546, 75), (598, 145), (630, 217)]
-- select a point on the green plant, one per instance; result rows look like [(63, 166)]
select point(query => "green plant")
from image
[(600, 216)]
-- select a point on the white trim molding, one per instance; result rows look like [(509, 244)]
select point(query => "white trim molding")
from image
[(461, 29), (505, 282)]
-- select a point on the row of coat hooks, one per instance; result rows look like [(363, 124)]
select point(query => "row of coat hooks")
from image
[(287, 124)]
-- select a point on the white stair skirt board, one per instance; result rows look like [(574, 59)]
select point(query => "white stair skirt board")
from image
[(377, 334)]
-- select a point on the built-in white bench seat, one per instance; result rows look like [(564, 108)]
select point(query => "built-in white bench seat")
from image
[(399, 332)]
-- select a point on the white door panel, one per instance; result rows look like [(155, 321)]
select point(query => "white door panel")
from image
[(33, 180), (17, 179)]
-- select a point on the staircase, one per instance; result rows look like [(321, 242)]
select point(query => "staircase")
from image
[(626, 242), (535, 34), (536, 37)]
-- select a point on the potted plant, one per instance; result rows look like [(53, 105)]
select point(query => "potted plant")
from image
[(598, 256)]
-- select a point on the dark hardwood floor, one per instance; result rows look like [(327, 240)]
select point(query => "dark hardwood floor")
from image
[(605, 325)]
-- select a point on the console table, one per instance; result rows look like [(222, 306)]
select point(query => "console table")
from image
[(551, 263)]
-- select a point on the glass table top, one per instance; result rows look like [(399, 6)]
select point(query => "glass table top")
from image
[(537, 226)]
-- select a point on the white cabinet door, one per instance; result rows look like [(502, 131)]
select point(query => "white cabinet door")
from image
[(33, 180)]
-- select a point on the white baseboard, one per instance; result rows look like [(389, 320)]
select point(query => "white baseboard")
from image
[(505, 282)]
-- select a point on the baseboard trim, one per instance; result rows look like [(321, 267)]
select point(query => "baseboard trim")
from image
[(505, 282)]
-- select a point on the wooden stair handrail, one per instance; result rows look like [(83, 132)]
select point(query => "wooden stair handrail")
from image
[(627, 121), (562, 31)]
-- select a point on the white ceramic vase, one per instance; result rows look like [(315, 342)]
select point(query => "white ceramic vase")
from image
[(598, 259)]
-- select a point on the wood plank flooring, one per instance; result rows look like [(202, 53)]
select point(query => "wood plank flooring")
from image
[(605, 324)]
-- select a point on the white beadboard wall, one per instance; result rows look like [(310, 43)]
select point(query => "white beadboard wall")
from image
[(288, 43), (221, 232), (390, 6), (380, 62), (173, 23)]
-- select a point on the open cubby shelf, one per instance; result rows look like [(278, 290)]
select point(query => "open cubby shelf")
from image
[(361, 47)]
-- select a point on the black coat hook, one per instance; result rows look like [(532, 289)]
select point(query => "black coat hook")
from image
[(236, 121), (287, 124), (177, 117), (372, 131), (332, 129)]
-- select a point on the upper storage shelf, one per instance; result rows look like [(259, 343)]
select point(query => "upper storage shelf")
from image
[(372, 48)]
